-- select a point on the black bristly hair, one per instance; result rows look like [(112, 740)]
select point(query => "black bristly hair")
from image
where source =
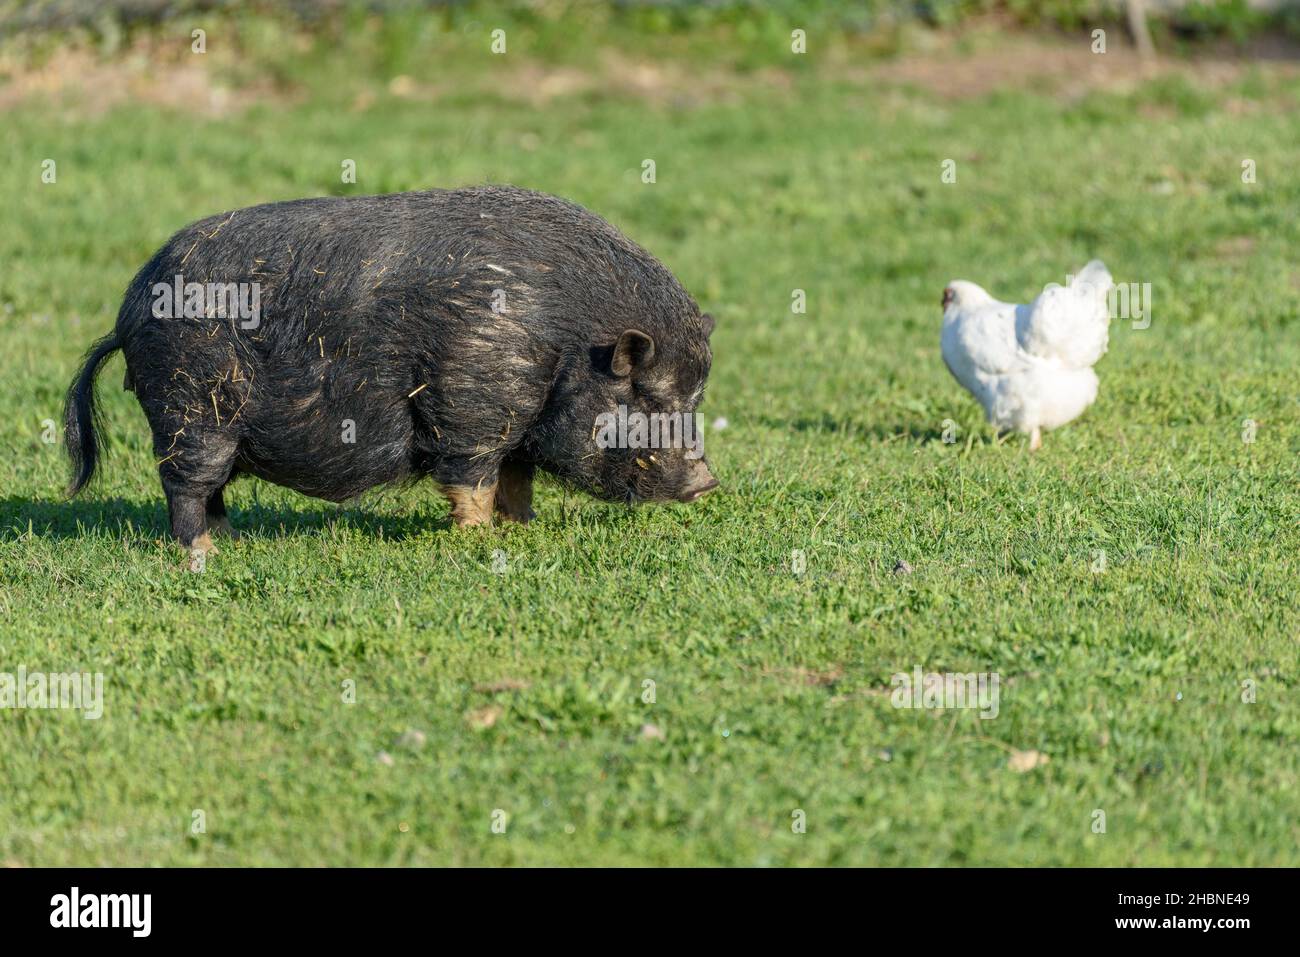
[(446, 332)]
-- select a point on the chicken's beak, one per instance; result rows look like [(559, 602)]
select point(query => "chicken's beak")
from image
[(948, 297)]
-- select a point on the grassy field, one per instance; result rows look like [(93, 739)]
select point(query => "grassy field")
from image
[(517, 682)]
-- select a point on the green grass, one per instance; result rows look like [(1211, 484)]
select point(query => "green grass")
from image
[(224, 690)]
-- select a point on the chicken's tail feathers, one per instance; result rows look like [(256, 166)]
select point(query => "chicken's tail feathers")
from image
[(1091, 317), (1094, 279), (1069, 324)]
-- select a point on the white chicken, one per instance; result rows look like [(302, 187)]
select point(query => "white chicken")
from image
[(1029, 366)]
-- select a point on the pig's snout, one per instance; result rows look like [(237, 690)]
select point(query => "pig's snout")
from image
[(701, 482), (700, 492)]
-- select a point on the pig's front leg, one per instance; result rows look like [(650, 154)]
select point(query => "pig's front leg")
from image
[(471, 504), (515, 492)]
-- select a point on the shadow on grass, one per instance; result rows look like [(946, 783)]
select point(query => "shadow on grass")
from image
[(58, 519)]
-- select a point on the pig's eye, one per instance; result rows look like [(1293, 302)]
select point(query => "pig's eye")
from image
[(647, 396)]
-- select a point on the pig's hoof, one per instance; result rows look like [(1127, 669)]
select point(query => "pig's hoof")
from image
[(514, 515), (470, 505), (222, 527), (197, 552)]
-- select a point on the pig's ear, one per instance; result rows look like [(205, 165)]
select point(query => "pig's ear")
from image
[(708, 324), (632, 353)]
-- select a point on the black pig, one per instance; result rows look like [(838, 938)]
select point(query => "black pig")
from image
[(335, 344)]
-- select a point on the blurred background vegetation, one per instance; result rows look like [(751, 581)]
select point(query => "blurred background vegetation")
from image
[(108, 22)]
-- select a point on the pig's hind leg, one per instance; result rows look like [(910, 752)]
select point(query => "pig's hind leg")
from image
[(193, 475), (188, 512), (218, 521)]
